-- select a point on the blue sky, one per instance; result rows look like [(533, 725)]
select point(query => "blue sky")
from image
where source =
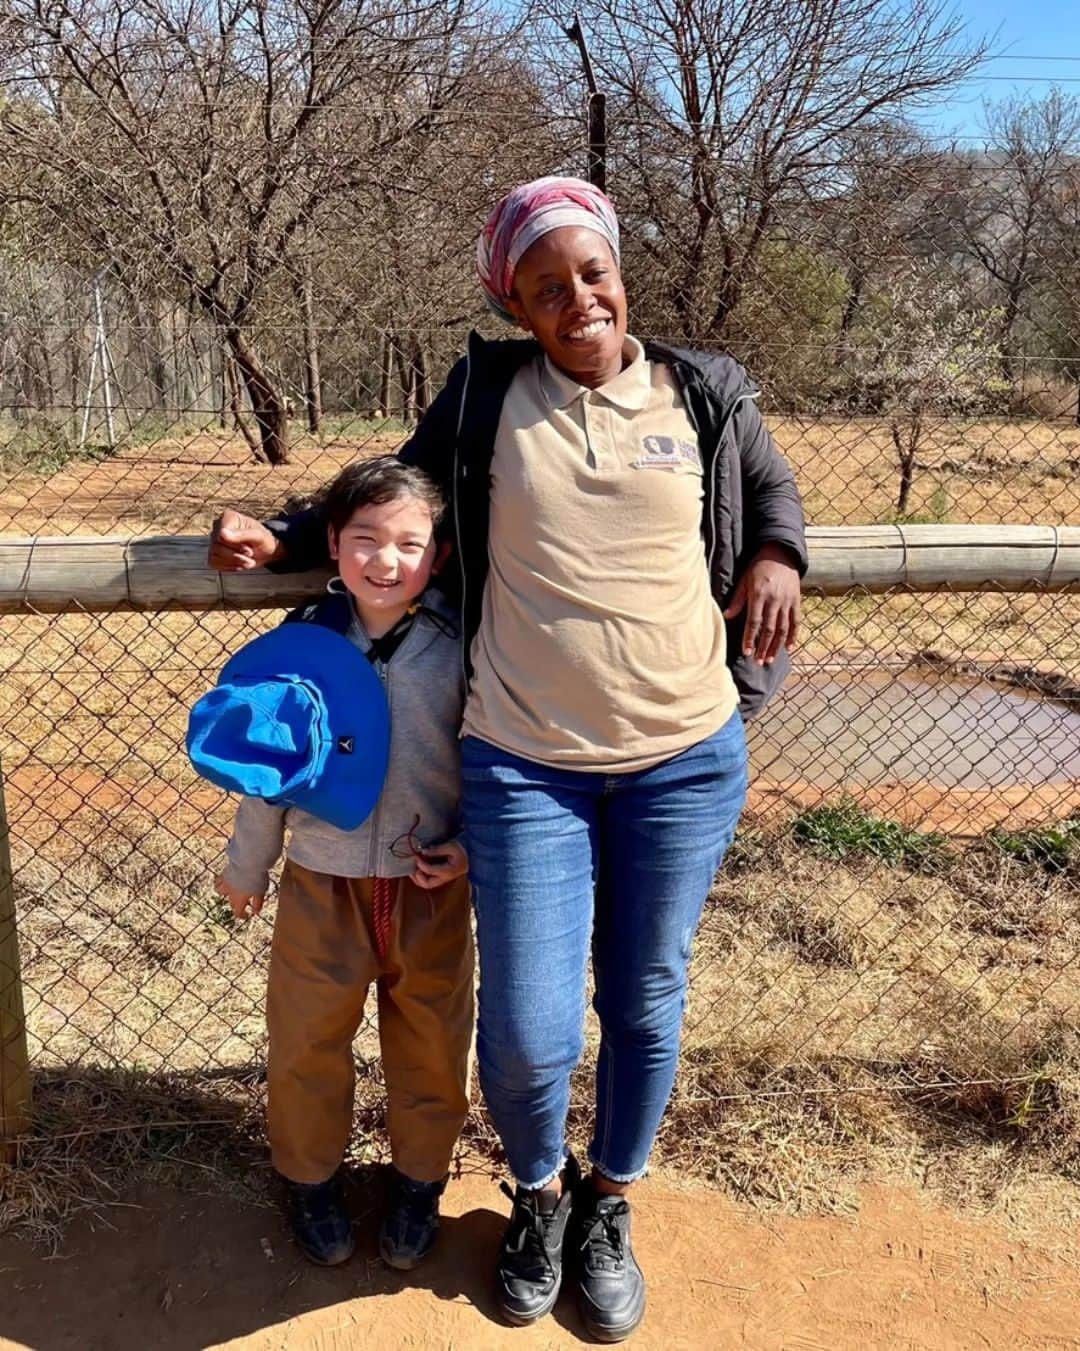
[(1035, 38)]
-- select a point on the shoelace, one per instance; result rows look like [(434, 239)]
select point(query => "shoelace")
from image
[(527, 1236), (604, 1238)]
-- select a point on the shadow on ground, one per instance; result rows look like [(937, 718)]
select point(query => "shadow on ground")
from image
[(174, 1270), (184, 1270)]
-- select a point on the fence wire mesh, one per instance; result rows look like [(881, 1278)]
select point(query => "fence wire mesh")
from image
[(224, 275)]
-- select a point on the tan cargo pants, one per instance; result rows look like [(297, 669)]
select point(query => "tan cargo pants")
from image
[(322, 960)]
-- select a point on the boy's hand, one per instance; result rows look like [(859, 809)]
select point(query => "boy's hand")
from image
[(239, 543), (244, 903), (440, 864)]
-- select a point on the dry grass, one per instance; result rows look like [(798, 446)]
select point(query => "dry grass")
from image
[(827, 995), (848, 1019), (1033, 629), (174, 484), (989, 471), (98, 1131), (856, 1020)]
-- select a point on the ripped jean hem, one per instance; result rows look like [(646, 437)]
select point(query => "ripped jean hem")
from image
[(544, 1182), (622, 1178)]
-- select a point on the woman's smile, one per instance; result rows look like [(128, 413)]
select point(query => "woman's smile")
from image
[(588, 332)]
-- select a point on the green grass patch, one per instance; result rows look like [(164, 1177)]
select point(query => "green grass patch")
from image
[(351, 427), (935, 513), (1055, 848), (844, 829), (148, 428), (42, 446)]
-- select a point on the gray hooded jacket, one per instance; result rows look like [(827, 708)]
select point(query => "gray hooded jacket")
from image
[(425, 689)]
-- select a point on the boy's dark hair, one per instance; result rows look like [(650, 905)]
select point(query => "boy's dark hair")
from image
[(383, 479)]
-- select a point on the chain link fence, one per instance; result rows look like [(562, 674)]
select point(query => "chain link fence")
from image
[(220, 294)]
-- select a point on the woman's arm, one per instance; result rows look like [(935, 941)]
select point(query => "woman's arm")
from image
[(774, 531), (771, 501), (296, 541)]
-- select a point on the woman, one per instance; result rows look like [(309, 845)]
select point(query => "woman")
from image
[(608, 498)]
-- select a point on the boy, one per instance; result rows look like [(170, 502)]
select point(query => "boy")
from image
[(387, 902)]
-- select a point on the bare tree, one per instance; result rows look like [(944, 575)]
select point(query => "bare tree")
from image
[(1006, 198), (303, 285), (407, 267), (1058, 306), (881, 210), (199, 138), (723, 113)]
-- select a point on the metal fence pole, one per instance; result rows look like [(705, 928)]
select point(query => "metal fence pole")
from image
[(14, 1060), (597, 111)]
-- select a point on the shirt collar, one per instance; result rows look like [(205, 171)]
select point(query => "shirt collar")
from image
[(629, 389)]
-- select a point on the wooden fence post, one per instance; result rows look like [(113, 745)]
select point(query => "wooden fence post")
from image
[(14, 1060)]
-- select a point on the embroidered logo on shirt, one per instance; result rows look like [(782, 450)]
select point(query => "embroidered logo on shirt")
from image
[(666, 452)]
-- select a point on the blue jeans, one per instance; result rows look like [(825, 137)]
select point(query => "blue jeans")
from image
[(558, 858)]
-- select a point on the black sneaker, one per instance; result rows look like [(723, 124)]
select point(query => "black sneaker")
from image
[(529, 1270), (320, 1221), (611, 1288), (410, 1224)]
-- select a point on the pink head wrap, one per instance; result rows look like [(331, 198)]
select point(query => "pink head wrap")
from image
[(525, 214)]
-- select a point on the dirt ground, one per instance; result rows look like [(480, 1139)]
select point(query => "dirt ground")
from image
[(987, 471), (178, 1271), (802, 965)]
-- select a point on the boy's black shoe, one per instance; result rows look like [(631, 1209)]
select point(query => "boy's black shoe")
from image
[(410, 1224), (320, 1222), (529, 1270), (611, 1288)]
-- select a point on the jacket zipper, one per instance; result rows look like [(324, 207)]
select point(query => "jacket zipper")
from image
[(383, 672), (457, 508), (373, 860)]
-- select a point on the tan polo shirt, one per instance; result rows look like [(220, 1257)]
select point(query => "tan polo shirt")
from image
[(600, 646)]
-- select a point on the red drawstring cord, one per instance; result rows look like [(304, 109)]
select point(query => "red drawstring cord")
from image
[(383, 890)]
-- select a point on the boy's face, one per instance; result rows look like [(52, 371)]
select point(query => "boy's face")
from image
[(385, 554)]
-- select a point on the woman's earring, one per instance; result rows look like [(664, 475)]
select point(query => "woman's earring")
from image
[(336, 586)]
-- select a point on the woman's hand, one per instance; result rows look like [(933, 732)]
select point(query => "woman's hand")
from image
[(244, 903), (239, 543), (769, 592), (440, 864)]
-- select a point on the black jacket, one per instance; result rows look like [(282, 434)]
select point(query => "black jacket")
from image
[(750, 493)]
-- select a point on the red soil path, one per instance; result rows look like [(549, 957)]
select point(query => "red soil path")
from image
[(185, 1271)]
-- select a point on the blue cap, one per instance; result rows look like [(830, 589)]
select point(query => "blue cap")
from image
[(299, 717)]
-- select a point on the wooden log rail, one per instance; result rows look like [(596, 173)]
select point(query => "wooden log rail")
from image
[(51, 574)]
